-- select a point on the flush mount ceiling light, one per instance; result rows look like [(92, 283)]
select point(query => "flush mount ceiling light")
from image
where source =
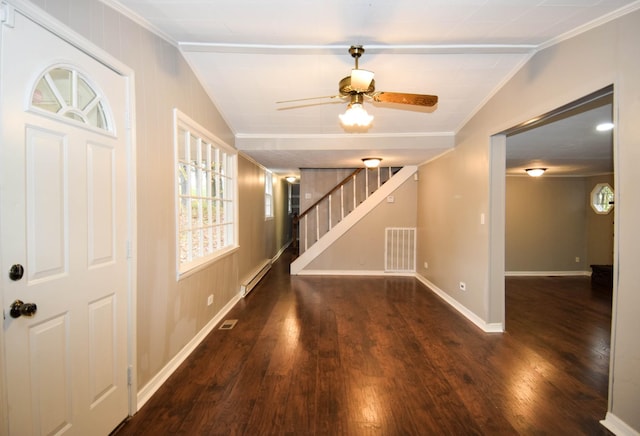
[(356, 115), (291, 179), (535, 172), (604, 127), (371, 162)]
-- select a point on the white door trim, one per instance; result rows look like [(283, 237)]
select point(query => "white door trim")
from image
[(83, 44)]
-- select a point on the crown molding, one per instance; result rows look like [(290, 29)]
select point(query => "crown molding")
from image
[(136, 18), (631, 7)]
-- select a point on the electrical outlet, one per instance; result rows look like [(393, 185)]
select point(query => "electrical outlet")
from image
[(426, 264), (210, 300), (577, 259), (463, 286)]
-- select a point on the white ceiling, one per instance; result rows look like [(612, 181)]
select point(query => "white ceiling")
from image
[(249, 54)]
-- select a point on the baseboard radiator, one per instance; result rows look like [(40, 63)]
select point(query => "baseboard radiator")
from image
[(254, 277)]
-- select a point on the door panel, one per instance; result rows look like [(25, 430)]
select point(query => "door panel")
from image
[(47, 206), (63, 217), (50, 375), (101, 208)]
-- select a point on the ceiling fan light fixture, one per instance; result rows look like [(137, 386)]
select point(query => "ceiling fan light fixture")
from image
[(371, 162), (361, 79), (535, 172), (356, 115)]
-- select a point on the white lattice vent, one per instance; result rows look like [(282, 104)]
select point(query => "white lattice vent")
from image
[(400, 249)]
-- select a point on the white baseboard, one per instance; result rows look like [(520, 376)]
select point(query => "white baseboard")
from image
[(546, 273), (486, 327), (373, 273), (158, 380), (617, 426), (282, 250)]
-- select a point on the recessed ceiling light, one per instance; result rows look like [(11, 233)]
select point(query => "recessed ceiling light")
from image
[(604, 127)]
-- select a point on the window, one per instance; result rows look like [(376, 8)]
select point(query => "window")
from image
[(68, 94), (205, 188), (602, 198), (268, 194)]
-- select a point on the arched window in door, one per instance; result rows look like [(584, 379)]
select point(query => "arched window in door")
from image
[(68, 93)]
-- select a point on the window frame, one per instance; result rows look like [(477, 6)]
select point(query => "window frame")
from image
[(223, 172), (269, 212), (72, 112), (602, 202)]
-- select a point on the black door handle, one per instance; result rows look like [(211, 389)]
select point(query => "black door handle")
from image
[(18, 309)]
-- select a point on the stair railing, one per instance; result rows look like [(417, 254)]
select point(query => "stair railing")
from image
[(351, 191)]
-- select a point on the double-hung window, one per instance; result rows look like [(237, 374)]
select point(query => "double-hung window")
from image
[(205, 194)]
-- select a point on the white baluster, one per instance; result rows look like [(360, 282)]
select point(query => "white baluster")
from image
[(366, 183), (354, 191), (317, 223), (342, 202), (305, 231), (330, 212)]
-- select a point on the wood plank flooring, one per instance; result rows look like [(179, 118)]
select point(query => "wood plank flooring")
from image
[(385, 356)]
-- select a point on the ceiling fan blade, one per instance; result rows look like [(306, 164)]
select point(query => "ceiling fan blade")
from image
[(309, 98), (404, 98), (361, 79)]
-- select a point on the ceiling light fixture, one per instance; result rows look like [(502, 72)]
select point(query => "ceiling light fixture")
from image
[(291, 179), (604, 127), (356, 115), (371, 162), (535, 172)]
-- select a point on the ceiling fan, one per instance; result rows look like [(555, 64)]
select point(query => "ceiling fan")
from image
[(360, 85)]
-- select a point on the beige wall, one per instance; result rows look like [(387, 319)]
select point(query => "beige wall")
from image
[(362, 247), (169, 313), (253, 237), (283, 220), (458, 184), (452, 196), (260, 239), (545, 224)]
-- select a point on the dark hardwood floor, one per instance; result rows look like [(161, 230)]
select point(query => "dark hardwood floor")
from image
[(385, 356)]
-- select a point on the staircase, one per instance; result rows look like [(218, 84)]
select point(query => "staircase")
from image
[(342, 207)]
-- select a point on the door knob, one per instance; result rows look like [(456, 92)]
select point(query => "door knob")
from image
[(18, 309), (16, 272)]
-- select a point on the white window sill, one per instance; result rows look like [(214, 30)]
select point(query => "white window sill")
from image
[(205, 263)]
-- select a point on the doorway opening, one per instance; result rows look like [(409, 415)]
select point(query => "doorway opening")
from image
[(538, 221)]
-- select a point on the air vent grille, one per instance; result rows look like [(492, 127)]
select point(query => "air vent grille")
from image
[(400, 249)]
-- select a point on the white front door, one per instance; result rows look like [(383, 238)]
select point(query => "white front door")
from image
[(63, 224)]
